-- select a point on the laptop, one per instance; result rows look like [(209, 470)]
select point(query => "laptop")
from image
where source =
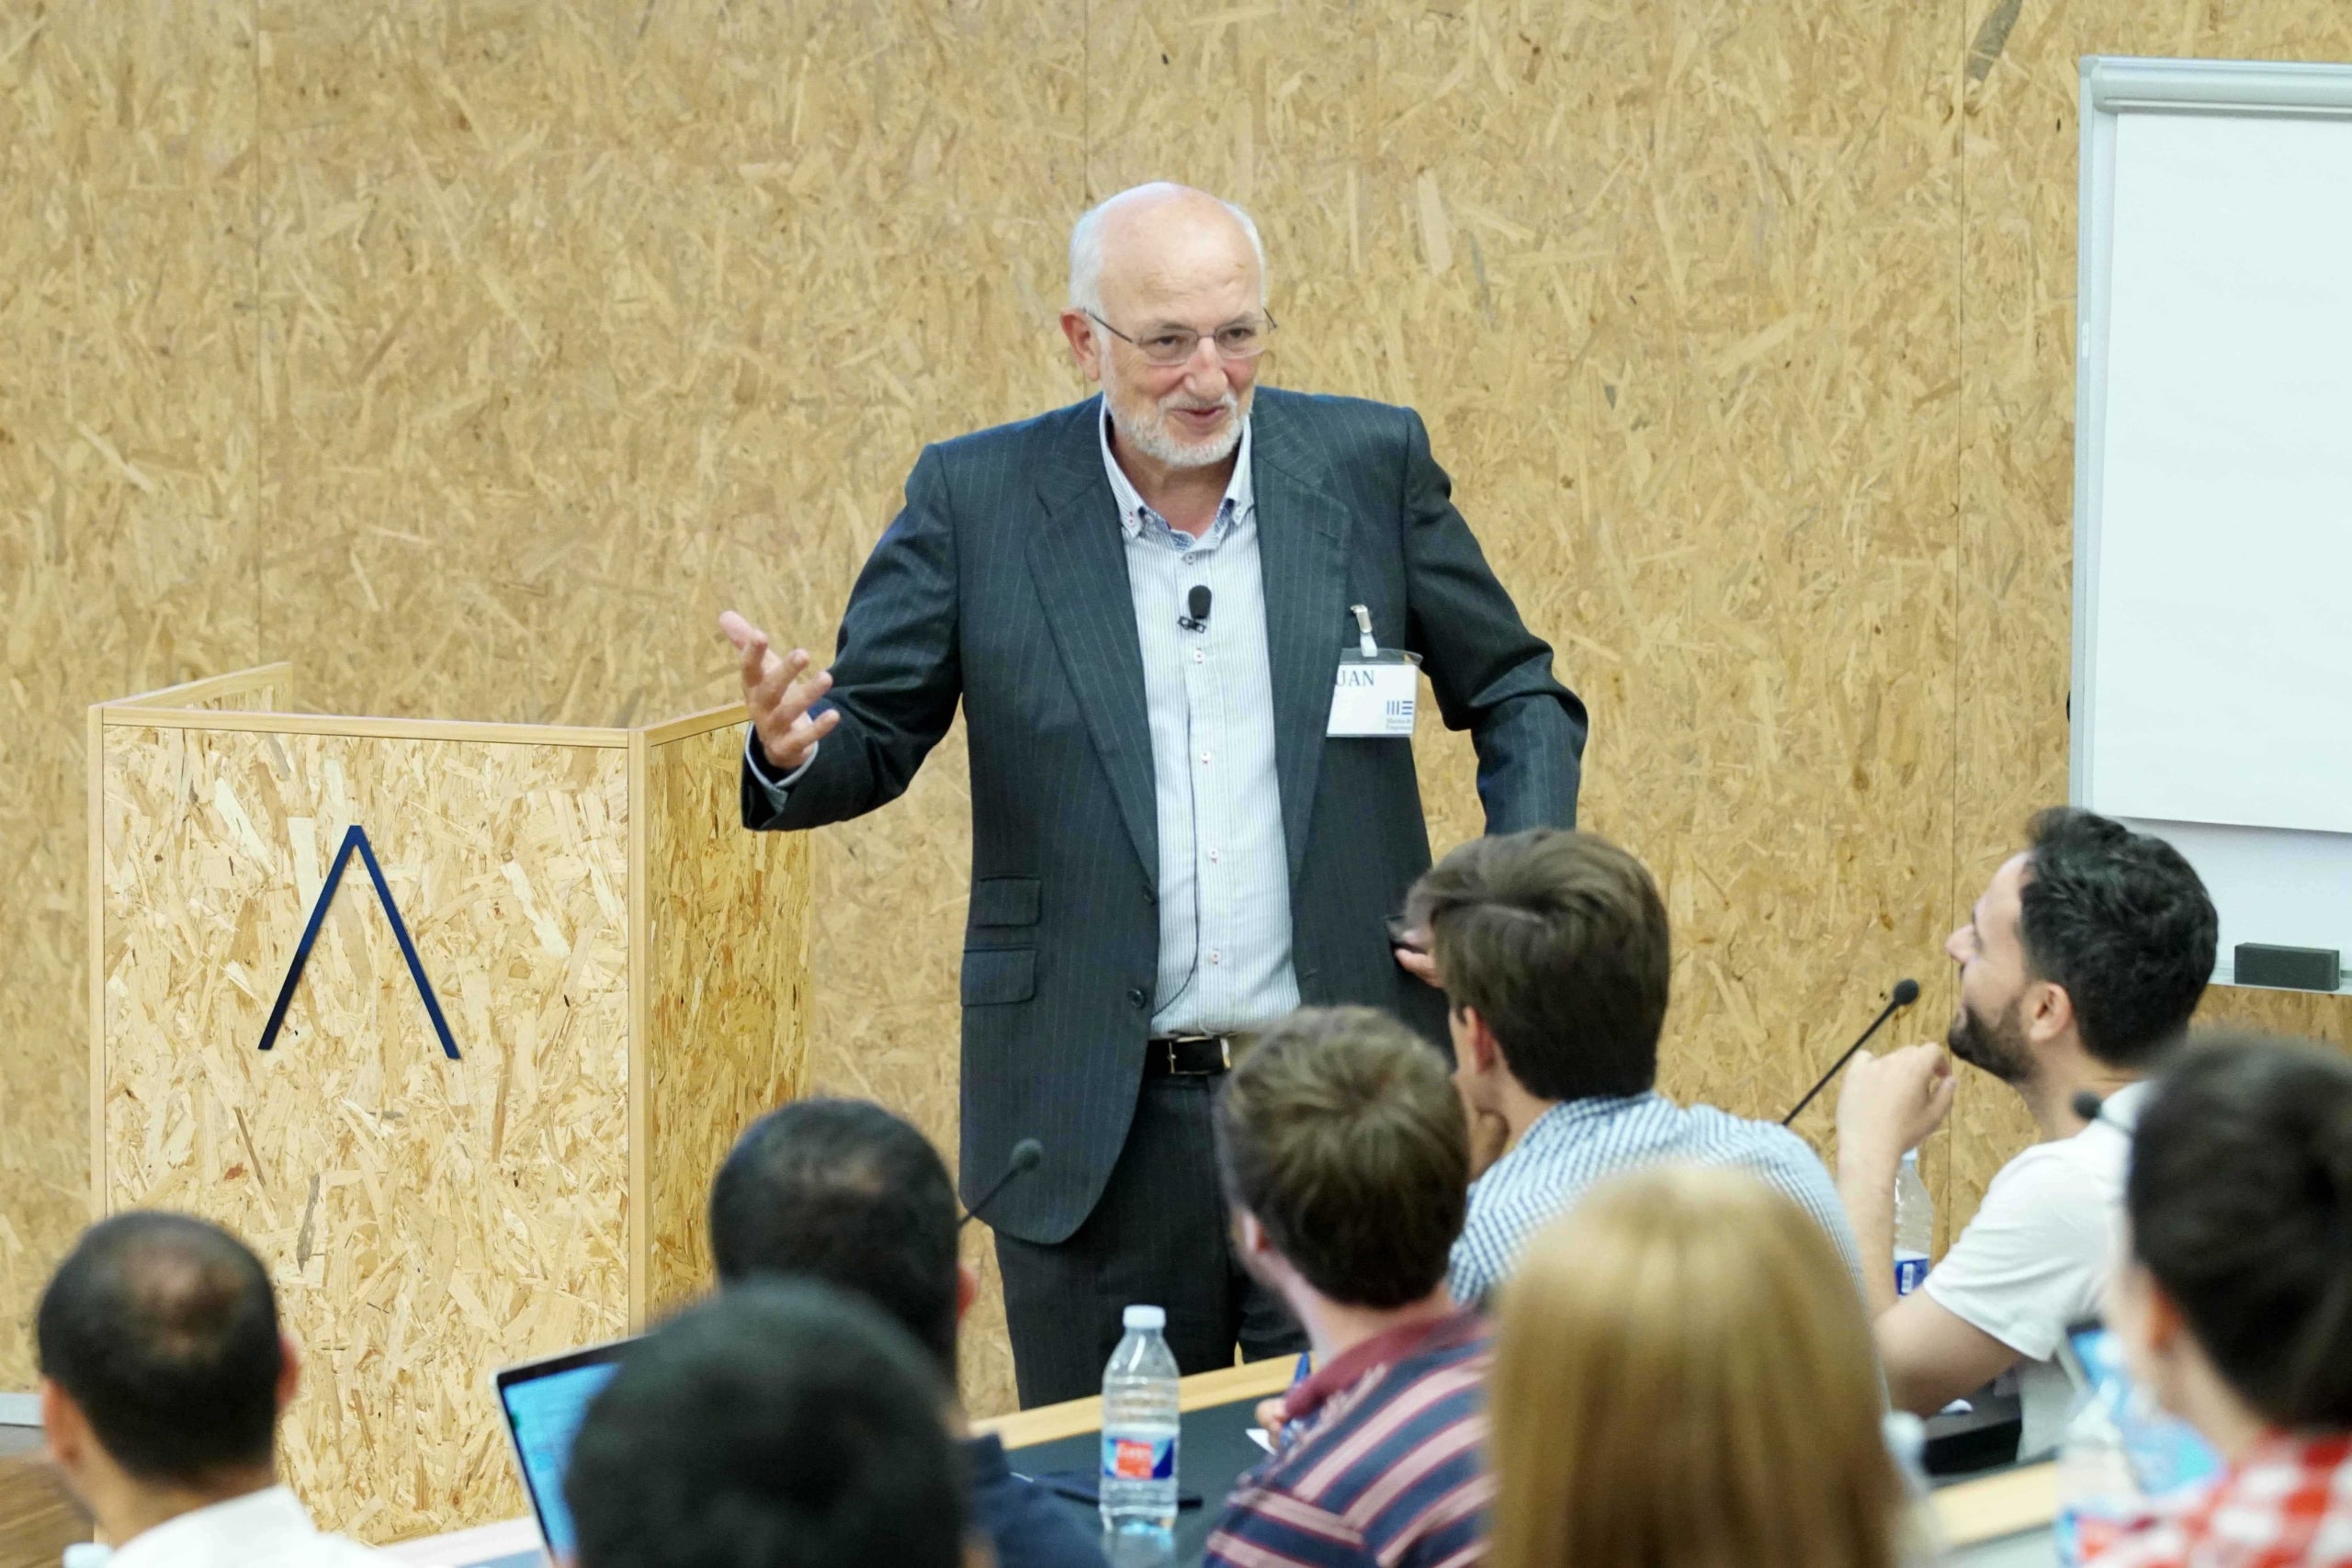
[(2164, 1454), (544, 1403)]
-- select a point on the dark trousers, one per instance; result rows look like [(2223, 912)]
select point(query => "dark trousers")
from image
[(1158, 1237)]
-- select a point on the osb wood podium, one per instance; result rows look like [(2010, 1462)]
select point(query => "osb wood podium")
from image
[(623, 973)]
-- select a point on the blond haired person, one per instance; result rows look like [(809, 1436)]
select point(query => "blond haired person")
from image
[(1683, 1379)]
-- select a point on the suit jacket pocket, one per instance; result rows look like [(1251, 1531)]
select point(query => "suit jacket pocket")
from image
[(1006, 901), (993, 975)]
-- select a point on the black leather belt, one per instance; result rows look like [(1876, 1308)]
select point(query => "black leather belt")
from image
[(1191, 1055)]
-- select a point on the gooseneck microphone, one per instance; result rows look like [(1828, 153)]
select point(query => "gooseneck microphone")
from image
[(1906, 991), (1198, 604), (1025, 1156)]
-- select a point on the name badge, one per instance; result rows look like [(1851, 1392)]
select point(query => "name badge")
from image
[(1373, 698)]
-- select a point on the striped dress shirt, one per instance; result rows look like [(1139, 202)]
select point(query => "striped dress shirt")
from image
[(1387, 1467), (1580, 1142), (1225, 938)]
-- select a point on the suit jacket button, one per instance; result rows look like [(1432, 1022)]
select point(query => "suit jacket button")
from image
[(1140, 996)]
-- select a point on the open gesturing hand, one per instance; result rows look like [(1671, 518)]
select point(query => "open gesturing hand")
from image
[(778, 689)]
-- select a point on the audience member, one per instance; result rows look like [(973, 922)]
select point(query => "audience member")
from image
[(163, 1375), (774, 1426), (1682, 1379), (842, 1191), (2079, 964), (1343, 1155), (2234, 1303), (1552, 946)]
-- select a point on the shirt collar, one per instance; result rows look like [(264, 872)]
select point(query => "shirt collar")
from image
[(1240, 491), (1385, 1349), (249, 1522), (2121, 1109)]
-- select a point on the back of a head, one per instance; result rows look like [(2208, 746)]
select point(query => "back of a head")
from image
[(1684, 1377), (162, 1330), (1341, 1132), (2120, 921), (777, 1425), (2240, 1198), (842, 1191), (1558, 938)]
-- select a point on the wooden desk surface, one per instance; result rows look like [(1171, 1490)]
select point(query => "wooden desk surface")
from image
[(38, 1520), (1986, 1509), (1049, 1423)]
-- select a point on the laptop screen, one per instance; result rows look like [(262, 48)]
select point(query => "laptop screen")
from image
[(544, 1404), (2164, 1454)]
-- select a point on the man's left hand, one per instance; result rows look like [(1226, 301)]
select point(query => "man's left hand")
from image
[(1414, 957)]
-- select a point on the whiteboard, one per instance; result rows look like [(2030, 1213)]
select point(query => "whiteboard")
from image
[(2213, 693)]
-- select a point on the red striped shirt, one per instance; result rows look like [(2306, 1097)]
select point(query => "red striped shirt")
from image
[(1387, 1467)]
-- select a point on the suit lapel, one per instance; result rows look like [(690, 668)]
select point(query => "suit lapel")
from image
[(1078, 559), (1301, 541)]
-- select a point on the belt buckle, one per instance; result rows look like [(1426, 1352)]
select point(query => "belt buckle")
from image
[(1224, 1053)]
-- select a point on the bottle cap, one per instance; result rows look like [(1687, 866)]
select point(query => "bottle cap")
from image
[(1149, 1319), (1911, 1156)]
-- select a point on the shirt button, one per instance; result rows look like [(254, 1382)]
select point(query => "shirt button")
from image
[(1213, 857), (1215, 956), (1137, 997), (1200, 656), (1190, 558), (1205, 759)]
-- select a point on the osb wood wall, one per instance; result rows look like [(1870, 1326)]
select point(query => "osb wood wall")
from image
[(473, 356), (729, 991)]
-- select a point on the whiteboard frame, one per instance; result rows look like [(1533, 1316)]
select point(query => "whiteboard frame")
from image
[(2113, 85)]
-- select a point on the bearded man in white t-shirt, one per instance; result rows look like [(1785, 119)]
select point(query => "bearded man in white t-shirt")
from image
[(2080, 965)]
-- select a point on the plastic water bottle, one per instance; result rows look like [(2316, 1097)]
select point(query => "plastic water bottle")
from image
[(2096, 1489), (1915, 1225), (1139, 1426)]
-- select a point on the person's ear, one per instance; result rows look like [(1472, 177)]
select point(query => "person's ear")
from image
[(1250, 1234), (290, 1372), (2166, 1327), (63, 1423), (1485, 1054), (2050, 1012), (967, 1287), (1085, 344)]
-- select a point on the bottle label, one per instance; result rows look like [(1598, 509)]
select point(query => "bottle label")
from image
[(1138, 1459), (1910, 1272)]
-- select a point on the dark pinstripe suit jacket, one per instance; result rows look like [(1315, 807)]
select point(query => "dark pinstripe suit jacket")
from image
[(1003, 584)]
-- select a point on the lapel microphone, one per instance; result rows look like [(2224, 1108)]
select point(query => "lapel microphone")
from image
[(1906, 991), (1025, 1156), (1197, 602)]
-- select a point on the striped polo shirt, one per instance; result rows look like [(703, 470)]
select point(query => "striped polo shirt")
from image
[(1381, 1463), (1578, 1144)]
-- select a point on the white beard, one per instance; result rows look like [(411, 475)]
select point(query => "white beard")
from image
[(1151, 436)]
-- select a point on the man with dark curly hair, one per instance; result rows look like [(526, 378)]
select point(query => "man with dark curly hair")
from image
[(2079, 966)]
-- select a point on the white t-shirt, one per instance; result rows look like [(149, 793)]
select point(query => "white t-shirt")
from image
[(261, 1529), (2036, 1258)]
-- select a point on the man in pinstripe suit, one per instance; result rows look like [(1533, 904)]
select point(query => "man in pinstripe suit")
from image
[(1168, 849)]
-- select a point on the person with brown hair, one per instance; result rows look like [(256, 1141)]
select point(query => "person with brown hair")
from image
[(1344, 1156), (1552, 950), (1683, 1379)]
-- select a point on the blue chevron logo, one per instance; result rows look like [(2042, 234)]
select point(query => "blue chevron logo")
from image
[(356, 838)]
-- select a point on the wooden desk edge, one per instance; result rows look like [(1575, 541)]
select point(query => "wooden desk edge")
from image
[(1994, 1506), (1051, 1423)]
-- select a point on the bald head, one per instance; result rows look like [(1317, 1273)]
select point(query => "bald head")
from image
[(1160, 242)]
